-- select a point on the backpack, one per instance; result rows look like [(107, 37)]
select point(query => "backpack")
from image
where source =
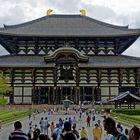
[(76, 133), (55, 134), (93, 118), (122, 137)]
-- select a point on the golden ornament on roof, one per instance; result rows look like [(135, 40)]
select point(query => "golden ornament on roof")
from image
[(49, 12), (83, 12)]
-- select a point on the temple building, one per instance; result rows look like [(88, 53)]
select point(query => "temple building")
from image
[(68, 55)]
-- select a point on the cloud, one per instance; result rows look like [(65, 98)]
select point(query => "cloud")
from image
[(64, 6)]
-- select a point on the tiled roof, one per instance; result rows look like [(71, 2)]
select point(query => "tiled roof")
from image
[(67, 25), (94, 61), (121, 96)]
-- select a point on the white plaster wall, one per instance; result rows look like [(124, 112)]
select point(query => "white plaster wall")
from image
[(27, 92), (17, 92), (114, 91)]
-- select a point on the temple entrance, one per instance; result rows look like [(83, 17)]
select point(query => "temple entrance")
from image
[(53, 95), (40, 95), (63, 92), (86, 94), (66, 92), (56, 95)]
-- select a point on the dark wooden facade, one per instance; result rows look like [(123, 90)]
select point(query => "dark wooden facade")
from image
[(47, 68)]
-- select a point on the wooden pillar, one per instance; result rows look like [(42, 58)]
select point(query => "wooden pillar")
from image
[(56, 95), (33, 84), (60, 95), (12, 84), (54, 88), (109, 93), (93, 94), (128, 105), (49, 96), (77, 95), (39, 94), (71, 92), (83, 93)]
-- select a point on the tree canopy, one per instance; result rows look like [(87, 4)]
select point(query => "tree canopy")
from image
[(4, 88)]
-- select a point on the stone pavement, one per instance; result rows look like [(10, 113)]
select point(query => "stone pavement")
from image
[(25, 123)]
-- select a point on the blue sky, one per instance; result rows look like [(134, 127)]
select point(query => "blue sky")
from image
[(118, 12)]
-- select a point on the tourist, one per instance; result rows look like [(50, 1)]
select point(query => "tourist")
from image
[(18, 134), (74, 121), (43, 137), (52, 128), (30, 133), (134, 133), (96, 132), (36, 133), (56, 133), (119, 128), (46, 125), (61, 123), (83, 134), (110, 127), (42, 125), (88, 121), (93, 118), (70, 120), (67, 134), (29, 116), (126, 133), (75, 131), (100, 126)]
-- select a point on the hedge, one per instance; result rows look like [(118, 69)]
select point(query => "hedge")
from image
[(127, 111)]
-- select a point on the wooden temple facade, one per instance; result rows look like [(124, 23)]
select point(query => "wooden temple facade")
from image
[(68, 55)]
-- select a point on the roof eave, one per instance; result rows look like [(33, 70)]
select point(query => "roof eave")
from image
[(39, 35)]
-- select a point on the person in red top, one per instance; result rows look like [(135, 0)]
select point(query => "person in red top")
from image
[(88, 121)]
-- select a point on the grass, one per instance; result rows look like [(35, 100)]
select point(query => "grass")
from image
[(127, 119), (9, 116)]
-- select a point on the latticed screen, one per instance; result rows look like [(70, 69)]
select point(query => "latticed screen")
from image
[(66, 73)]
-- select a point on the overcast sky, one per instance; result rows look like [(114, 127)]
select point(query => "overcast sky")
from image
[(118, 12)]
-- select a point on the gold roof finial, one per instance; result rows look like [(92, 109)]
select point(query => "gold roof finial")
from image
[(83, 12), (49, 12)]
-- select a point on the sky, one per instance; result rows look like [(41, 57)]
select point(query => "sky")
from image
[(117, 12)]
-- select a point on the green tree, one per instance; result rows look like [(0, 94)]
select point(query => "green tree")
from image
[(4, 88)]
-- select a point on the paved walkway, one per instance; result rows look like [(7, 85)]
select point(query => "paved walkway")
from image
[(25, 122)]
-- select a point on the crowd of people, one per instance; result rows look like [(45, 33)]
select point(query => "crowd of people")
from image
[(71, 128)]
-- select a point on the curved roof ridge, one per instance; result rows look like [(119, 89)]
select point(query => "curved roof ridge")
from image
[(37, 20), (64, 15), (70, 25), (111, 25), (24, 23)]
